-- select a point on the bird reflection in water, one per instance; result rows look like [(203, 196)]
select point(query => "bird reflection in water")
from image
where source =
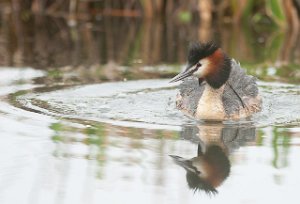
[(211, 166)]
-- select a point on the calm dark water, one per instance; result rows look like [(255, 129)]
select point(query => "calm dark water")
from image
[(87, 115)]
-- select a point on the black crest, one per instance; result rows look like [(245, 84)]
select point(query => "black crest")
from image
[(198, 184), (199, 51), (221, 164)]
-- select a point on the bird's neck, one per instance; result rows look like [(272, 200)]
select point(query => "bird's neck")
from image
[(210, 105), (219, 69)]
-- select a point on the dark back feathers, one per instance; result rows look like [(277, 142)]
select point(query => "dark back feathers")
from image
[(245, 86)]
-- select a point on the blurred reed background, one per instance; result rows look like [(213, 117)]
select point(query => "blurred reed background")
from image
[(47, 34)]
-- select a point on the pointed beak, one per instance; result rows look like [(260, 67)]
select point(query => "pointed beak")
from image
[(181, 161), (186, 164), (186, 73)]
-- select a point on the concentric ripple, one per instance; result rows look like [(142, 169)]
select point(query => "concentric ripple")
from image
[(151, 102)]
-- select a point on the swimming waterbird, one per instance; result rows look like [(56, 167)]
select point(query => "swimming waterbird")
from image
[(215, 87)]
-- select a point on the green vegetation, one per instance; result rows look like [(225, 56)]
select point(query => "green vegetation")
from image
[(91, 43)]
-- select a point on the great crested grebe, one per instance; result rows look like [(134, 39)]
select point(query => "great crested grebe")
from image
[(218, 89)]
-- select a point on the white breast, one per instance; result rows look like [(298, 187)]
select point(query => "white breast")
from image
[(210, 105)]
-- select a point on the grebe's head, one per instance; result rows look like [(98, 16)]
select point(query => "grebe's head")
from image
[(206, 61)]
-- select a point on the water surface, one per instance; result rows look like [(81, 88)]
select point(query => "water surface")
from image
[(72, 146)]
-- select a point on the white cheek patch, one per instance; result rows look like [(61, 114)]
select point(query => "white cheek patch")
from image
[(201, 70)]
